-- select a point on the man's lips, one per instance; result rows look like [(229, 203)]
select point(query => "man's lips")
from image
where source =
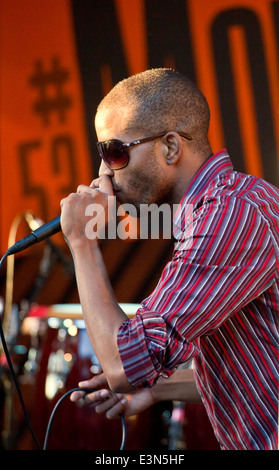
[(116, 190)]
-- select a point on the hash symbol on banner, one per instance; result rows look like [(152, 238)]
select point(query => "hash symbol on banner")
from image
[(49, 83)]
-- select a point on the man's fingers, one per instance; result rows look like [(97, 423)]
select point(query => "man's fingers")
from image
[(104, 184), (105, 401), (112, 407), (98, 395), (95, 183), (75, 396), (97, 381), (97, 387)]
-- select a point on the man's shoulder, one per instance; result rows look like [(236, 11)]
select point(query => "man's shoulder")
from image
[(251, 189)]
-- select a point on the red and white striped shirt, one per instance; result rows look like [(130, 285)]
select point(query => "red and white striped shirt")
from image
[(218, 301)]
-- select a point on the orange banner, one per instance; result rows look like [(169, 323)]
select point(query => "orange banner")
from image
[(44, 152), (58, 58), (237, 19)]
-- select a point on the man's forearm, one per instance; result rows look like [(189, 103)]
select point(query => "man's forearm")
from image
[(180, 386), (102, 314)]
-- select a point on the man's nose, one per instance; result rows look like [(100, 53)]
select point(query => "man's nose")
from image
[(105, 170)]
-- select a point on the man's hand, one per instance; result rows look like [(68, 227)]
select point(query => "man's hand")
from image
[(73, 209), (113, 404)]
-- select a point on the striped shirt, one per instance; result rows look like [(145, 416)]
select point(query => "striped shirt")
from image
[(217, 301)]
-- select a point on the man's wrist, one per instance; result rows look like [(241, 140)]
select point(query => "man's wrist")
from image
[(82, 243)]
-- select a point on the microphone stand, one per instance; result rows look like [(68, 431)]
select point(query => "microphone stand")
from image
[(52, 254)]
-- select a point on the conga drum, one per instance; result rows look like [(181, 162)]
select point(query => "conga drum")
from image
[(66, 357)]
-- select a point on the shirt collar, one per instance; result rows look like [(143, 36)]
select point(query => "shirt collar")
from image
[(213, 167)]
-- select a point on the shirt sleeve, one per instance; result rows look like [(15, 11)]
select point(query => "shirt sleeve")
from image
[(228, 263)]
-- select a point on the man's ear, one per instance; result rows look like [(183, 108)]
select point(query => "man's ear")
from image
[(173, 147)]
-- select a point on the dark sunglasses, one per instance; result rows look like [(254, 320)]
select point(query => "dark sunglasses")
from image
[(114, 152)]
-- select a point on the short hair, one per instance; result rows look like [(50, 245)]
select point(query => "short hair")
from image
[(162, 99)]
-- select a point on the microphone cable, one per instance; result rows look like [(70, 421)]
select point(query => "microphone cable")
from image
[(59, 403), (26, 417)]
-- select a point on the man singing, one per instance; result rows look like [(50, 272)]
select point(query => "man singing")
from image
[(217, 299)]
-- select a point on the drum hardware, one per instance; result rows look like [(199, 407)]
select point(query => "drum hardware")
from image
[(69, 343), (34, 329), (58, 368), (177, 420), (61, 358)]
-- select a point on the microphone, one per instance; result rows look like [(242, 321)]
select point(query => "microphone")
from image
[(41, 233)]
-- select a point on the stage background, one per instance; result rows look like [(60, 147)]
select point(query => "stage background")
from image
[(59, 58)]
